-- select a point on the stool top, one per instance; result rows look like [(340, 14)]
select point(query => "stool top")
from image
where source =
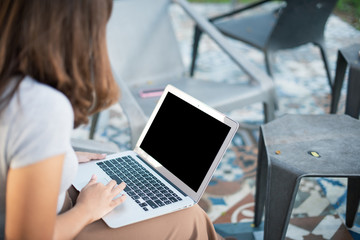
[(294, 141)]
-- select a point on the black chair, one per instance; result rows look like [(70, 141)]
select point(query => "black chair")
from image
[(294, 23), (348, 56), (352, 107)]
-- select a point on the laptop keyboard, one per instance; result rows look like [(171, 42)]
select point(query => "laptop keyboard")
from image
[(147, 191)]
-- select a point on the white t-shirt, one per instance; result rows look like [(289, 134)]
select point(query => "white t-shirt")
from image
[(36, 125)]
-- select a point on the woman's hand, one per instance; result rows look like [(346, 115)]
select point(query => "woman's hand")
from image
[(86, 156), (97, 199)]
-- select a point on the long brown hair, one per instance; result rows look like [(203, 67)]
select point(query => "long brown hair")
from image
[(61, 43)]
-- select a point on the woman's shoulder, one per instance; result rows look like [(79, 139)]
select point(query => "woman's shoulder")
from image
[(38, 105), (39, 92), (41, 98), (40, 112)]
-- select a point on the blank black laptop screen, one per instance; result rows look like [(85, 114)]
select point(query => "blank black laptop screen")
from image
[(184, 139)]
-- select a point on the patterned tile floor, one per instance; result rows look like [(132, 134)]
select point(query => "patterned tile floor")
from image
[(301, 88)]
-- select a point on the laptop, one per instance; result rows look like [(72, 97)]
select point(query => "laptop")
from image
[(173, 161)]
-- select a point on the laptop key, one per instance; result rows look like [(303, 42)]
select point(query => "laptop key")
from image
[(142, 195), (173, 199), (131, 193), (152, 204), (154, 198), (160, 203), (143, 204), (117, 179), (135, 197)]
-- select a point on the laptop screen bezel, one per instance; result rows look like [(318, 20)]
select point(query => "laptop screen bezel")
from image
[(195, 195)]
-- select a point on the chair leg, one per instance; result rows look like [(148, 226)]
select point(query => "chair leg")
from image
[(268, 58), (269, 111), (271, 105), (281, 192), (261, 178), (353, 97), (197, 35), (338, 82), (326, 63), (94, 121), (352, 201)]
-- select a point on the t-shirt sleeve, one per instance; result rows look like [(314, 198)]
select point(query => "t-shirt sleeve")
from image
[(41, 129)]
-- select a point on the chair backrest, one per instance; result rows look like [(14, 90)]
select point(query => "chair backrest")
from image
[(300, 22), (141, 41)]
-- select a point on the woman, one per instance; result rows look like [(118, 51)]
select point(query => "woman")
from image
[(54, 73)]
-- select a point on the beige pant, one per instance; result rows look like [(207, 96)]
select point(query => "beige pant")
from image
[(191, 223)]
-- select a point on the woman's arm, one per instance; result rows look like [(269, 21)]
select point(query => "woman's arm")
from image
[(31, 199)]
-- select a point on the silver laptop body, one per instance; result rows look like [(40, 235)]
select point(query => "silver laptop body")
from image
[(173, 161)]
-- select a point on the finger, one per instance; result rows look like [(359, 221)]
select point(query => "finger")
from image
[(116, 202), (92, 180), (87, 156), (96, 156), (118, 189), (111, 184), (122, 186)]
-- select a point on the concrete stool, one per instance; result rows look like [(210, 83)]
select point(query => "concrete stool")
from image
[(296, 146)]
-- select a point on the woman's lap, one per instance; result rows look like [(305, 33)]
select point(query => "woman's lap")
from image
[(190, 223)]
